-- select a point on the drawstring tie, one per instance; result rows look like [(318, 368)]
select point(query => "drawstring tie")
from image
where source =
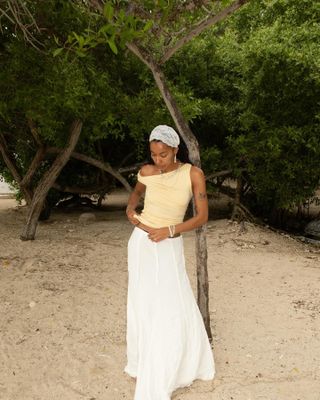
[(157, 262)]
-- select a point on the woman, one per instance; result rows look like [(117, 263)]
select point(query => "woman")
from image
[(167, 344)]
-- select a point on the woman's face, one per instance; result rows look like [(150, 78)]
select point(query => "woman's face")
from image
[(162, 154)]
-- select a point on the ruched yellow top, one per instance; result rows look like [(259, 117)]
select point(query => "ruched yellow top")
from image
[(166, 198)]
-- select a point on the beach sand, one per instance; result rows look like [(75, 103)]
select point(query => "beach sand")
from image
[(63, 310)]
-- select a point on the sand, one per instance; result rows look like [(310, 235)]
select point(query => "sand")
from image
[(63, 310)]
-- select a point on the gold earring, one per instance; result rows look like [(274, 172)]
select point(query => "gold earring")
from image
[(175, 158)]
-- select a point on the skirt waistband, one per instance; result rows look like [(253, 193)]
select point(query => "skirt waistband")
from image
[(175, 236)]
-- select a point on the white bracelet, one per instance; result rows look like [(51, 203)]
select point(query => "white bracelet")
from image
[(172, 230)]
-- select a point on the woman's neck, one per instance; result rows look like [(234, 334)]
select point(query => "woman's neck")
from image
[(171, 167)]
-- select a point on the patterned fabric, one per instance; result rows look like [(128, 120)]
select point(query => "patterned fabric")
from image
[(166, 134)]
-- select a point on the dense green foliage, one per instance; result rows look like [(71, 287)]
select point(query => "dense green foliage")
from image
[(108, 93), (249, 87), (258, 83)]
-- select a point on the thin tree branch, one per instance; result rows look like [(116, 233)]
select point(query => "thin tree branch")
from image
[(20, 16), (140, 53), (7, 16), (201, 26), (221, 173), (217, 174), (96, 5), (34, 132)]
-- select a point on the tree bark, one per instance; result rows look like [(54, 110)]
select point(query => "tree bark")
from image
[(46, 182), (34, 132), (27, 193), (33, 167), (237, 199), (202, 277)]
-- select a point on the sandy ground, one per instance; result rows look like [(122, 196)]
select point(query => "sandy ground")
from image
[(63, 310)]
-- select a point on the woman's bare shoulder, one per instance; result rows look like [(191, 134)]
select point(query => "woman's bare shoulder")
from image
[(196, 172), (147, 170)]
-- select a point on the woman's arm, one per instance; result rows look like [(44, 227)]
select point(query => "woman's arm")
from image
[(201, 204), (133, 202)]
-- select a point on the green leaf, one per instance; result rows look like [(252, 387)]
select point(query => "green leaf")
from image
[(112, 45), (81, 53), (57, 51), (108, 11), (56, 39), (76, 36), (81, 41), (148, 26)]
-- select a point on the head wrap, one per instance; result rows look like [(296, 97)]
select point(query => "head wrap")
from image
[(165, 134)]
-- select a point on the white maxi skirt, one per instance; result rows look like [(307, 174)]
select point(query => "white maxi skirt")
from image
[(167, 344)]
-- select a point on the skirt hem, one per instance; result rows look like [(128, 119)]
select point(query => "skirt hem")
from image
[(202, 377)]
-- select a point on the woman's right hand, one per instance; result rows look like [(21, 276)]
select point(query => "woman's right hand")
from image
[(131, 217)]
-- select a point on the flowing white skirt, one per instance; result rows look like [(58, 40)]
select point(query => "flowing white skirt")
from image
[(167, 344)]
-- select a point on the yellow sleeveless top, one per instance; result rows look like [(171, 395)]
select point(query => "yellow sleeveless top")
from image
[(167, 197)]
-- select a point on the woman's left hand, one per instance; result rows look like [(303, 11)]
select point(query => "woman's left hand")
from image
[(158, 234)]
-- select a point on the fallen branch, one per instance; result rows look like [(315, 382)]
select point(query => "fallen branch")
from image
[(81, 190), (217, 174)]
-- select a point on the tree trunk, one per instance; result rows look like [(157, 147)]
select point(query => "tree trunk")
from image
[(236, 205), (27, 193), (48, 179), (33, 167), (187, 135), (202, 277), (194, 155)]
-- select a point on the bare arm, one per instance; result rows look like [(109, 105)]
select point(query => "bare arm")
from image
[(201, 202), (133, 201)]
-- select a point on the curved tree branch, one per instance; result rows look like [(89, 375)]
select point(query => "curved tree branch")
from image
[(96, 163), (81, 190)]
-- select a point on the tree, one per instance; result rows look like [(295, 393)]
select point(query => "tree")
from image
[(279, 113), (41, 98), (154, 32), (170, 26), (256, 81)]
